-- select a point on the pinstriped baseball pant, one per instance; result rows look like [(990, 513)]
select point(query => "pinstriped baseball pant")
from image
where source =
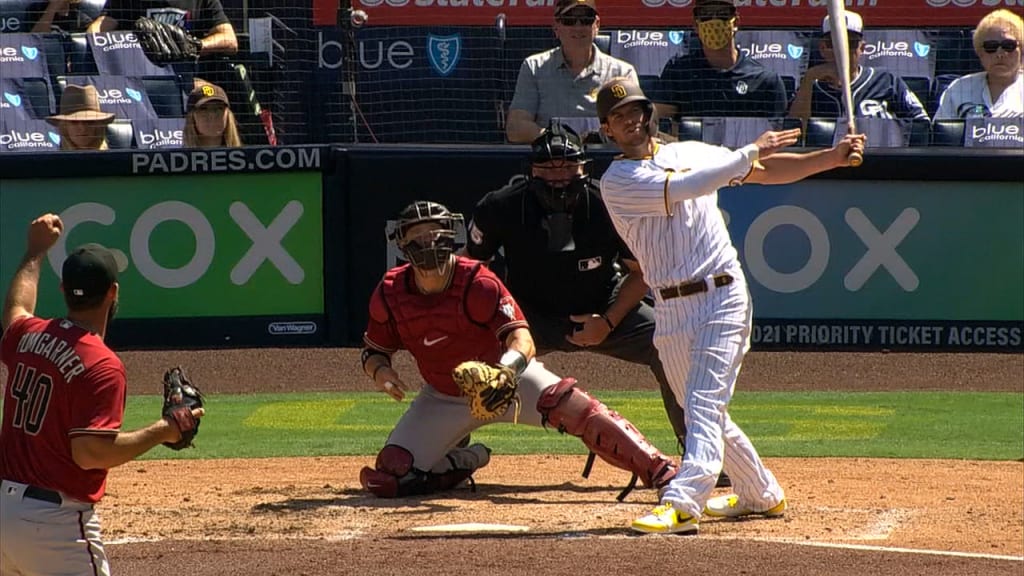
[(702, 339)]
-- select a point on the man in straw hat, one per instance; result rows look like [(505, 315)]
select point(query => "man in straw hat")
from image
[(82, 125)]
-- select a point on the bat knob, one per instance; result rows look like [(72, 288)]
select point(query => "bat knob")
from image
[(855, 159)]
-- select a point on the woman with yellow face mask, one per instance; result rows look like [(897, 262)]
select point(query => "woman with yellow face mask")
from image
[(719, 80)]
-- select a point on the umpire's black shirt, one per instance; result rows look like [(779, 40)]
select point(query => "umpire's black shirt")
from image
[(748, 89), (575, 281)]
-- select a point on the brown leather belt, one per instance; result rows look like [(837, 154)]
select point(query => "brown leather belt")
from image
[(37, 493), (695, 287)]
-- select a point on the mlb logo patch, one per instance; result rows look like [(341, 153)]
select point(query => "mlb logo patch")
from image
[(588, 264)]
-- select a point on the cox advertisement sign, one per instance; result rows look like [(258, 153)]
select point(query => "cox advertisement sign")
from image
[(187, 246)]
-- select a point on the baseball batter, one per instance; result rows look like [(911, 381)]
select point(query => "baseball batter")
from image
[(663, 200), (445, 309), (63, 407)]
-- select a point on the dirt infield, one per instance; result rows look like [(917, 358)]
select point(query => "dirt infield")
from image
[(306, 516)]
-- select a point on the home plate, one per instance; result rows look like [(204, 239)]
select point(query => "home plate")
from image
[(471, 527)]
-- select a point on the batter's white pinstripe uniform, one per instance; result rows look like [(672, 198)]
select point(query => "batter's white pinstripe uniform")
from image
[(666, 210)]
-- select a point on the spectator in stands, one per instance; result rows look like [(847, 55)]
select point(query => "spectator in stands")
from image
[(999, 90), (81, 123), (204, 19), (719, 80), (53, 15), (562, 82), (876, 93), (209, 122)]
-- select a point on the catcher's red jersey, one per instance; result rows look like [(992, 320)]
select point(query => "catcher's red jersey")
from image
[(62, 381), (468, 321)]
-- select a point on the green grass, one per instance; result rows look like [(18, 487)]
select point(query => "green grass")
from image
[(983, 426)]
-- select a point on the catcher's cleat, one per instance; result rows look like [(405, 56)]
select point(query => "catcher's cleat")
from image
[(729, 507), (666, 520), (380, 484)]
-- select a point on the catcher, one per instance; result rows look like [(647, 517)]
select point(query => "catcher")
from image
[(474, 350)]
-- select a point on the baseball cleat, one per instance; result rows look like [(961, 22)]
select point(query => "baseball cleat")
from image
[(729, 507), (666, 520)]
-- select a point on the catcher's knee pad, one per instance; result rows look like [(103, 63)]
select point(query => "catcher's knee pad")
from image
[(394, 460), (604, 432)]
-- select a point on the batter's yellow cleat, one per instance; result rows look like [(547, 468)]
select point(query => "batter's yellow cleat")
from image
[(666, 520), (729, 507)]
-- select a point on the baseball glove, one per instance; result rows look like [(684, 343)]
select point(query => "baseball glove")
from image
[(163, 43), (180, 398), (490, 389)]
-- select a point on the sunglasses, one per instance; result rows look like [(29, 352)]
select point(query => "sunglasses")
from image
[(990, 46), (577, 20)]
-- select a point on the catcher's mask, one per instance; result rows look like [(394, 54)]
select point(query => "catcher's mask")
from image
[(555, 160), (621, 91), (430, 250)]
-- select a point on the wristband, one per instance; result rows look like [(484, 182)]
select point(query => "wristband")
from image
[(607, 321), (515, 360)]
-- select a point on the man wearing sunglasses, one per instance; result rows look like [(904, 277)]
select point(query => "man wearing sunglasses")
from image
[(999, 90), (561, 82), (876, 93), (720, 80)]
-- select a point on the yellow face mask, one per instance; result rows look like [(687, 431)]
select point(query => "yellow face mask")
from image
[(716, 34)]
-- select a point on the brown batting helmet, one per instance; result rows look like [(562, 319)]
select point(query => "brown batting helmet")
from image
[(621, 91)]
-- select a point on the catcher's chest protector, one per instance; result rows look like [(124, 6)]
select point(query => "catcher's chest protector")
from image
[(435, 328)]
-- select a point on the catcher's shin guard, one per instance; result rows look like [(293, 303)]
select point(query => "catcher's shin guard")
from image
[(395, 477), (605, 433)]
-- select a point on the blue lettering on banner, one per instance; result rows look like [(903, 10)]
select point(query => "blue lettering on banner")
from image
[(119, 53), (20, 56), (444, 52), (23, 134)]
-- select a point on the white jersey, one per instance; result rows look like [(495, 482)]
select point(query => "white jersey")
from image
[(969, 96), (665, 208)]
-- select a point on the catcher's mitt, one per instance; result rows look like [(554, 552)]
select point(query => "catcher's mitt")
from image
[(163, 43), (491, 389), (180, 398)]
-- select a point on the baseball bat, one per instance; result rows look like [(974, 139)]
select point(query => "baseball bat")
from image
[(841, 49)]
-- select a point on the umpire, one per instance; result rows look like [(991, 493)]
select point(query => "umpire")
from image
[(571, 274)]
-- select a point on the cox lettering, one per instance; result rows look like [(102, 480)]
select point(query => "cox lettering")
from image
[(372, 54), (880, 249), (266, 241)]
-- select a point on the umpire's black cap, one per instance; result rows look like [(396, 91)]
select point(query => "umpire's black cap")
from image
[(618, 92), (88, 273)]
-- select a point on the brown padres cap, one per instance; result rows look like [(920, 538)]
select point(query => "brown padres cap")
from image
[(206, 93), (617, 92)]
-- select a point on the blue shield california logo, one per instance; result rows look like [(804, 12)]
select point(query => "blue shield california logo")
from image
[(795, 52), (133, 94), (54, 137), (444, 52), (675, 37), (30, 52), (14, 99), (922, 49)]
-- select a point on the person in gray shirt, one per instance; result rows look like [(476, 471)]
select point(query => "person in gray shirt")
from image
[(562, 82)]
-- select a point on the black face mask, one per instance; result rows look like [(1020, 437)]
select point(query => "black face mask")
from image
[(430, 253), (558, 200)]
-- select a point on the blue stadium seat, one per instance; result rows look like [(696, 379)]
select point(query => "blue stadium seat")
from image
[(79, 55), (938, 87), (920, 133), (689, 128), (119, 134), (820, 132), (37, 92), (948, 133), (922, 88), (166, 95)]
